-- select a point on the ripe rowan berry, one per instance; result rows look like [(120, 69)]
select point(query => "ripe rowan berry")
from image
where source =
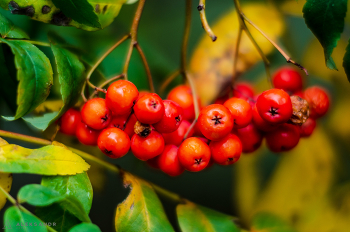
[(121, 96), (243, 90), (177, 136), (119, 122), (69, 121), (194, 154), (172, 117), (227, 150), (182, 95), (241, 112), (96, 114), (260, 123), (274, 106), (308, 127), (169, 162), (251, 138), (288, 79), (215, 122), (284, 138), (86, 135), (113, 142), (318, 100), (149, 109), (145, 148)]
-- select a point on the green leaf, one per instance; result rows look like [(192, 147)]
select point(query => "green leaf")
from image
[(86, 227), (38, 195), (48, 160), (78, 186), (141, 210), (80, 11), (54, 213), (325, 18), (14, 218), (346, 61), (267, 222), (9, 30), (41, 122), (34, 75), (192, 217)]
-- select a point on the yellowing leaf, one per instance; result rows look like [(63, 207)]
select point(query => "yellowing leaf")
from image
[(212, 62), (5, 183), (50, 105), (48, 160), (141, 210)]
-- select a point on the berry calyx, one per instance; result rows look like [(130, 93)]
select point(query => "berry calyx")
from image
[(96, 114), (69, 121), (284, 138), (288, 79), (113, 142), (149, 109), (227, 150), (169, 162), (141, 129), (274, 106), (215, 122), (172, 117), (241, 112), (300, 110), (86, 135), (194, 154), (121, 96), (260, 123), (318, 100), (145, 148)]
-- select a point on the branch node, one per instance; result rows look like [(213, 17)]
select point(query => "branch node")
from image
[(200, 7)]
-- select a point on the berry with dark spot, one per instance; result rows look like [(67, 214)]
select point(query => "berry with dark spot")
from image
[(113, 142), (145, 148), (96, 114), (149, 109), (172, 117)]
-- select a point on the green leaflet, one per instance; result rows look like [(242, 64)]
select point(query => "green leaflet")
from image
[(86, 227), (34, 73), (141, 210), (13, 216), (48, 160), (88, 15), (325, 18), (193, 218), (9, 30)]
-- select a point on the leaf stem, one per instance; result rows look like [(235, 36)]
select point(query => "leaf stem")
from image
[(201, 9), (145, 64)]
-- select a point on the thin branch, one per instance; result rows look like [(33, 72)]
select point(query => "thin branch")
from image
[(283, 53), (168, 80), (145, 64), (106, 83), (186, 36), (190, 129), (194, 95), (235, 57), (201, 9)]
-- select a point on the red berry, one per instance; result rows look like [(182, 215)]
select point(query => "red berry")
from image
[(288, 79), (318, 100), (119, 122), (260, 123), (227, 150), (172, 117), (96, 114), (241, 111), (250, 137), (113, 142), (177, 136), (169, 162), (215, 122), (243, 90), (69, 121), (284, 138), (308, 127), (86, 135), (121, 96), (142, 93), (149, 109), (194, 155), (145, 148), (274, 106), (182, 95)]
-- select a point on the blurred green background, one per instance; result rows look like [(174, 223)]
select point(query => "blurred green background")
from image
[(318, 170)]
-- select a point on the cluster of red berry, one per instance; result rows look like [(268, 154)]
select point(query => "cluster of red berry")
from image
[(154, 129)]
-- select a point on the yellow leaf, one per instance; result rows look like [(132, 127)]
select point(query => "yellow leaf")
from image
[(3, 142), (5, 183), (212, 62), (48, 160), (49, 106)]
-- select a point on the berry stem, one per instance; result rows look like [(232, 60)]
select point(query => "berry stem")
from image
[(145, 64), (15, 203), (106, 83), (186, 37), (168, 80), (159, 190), (235, 58), (201, 9), (190, 128)]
